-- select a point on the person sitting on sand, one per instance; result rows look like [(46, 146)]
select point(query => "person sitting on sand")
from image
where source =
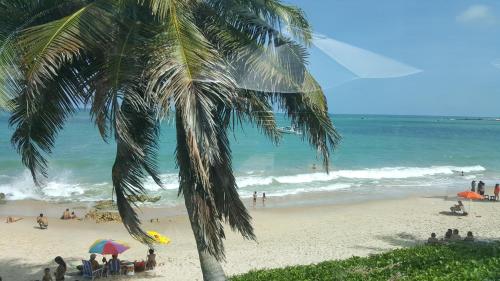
[(448, 234), (459, 208), (114, 265), (12, 219), (432, 239), (72, 216), (151, 260), (66, 215), (496, 191), (455, 235), (469, 237), (46, 275), (61, 269), (42, 221), (95, 264)]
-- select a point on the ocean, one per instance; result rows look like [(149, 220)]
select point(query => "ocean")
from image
[(378, 155)]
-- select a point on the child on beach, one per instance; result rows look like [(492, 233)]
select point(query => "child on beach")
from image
[(46, 275), (151, 261)]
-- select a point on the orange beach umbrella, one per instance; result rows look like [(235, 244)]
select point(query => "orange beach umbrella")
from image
[(470, 195)]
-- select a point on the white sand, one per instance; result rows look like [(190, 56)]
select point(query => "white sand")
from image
[(286, 236)]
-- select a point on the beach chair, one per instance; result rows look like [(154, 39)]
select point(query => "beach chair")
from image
[(89, 273), (114, 267)]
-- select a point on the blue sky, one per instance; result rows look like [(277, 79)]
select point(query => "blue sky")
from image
[(454, 42)]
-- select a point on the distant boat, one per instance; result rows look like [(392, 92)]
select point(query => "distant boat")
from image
[(290, 130)]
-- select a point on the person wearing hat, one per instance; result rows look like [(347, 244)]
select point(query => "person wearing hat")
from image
[(94, 263)]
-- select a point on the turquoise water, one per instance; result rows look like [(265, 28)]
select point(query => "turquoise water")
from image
[(377, 153)]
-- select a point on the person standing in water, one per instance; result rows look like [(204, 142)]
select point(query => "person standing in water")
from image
[(263, 199), (254, 198), (473, 186)]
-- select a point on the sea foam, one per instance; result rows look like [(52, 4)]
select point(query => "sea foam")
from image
[(62, 187)]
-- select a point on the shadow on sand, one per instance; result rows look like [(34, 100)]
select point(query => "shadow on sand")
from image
[(399, 240)]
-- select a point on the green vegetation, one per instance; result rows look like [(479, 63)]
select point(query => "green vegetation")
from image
[(461, 261)]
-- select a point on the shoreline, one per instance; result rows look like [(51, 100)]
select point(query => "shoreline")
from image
[(286, 236), (54, 209)]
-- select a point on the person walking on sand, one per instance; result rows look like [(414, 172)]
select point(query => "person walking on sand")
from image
[(473, 186), (254, 198), (496, 191), (42, 221)]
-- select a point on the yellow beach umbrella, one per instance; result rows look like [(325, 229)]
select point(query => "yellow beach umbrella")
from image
[(159, 238)]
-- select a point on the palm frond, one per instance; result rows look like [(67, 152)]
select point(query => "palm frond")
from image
[(308, 111), (226, 197), (132, 167), (38, 118), (50, 45), (254, 107)]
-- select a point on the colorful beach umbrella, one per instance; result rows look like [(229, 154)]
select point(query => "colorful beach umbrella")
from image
[(108, 247), (158, 238), (470, 195)]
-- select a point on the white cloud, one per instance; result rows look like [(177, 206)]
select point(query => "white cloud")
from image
[(477, 14)]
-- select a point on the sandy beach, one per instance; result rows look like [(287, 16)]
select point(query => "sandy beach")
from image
[(286, 236)]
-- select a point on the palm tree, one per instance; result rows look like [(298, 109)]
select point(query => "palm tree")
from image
[(210, 64)]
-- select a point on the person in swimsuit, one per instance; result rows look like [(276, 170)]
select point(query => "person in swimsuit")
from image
[(61, 269), (42, 221)]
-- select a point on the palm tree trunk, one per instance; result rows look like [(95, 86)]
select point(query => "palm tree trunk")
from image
[(210, 266)]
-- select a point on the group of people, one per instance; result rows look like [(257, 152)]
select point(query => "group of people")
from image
[(107, 266), (58, 273), (450, 235), (481, 188), (68, 216), (255, 198), (43, 221)]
